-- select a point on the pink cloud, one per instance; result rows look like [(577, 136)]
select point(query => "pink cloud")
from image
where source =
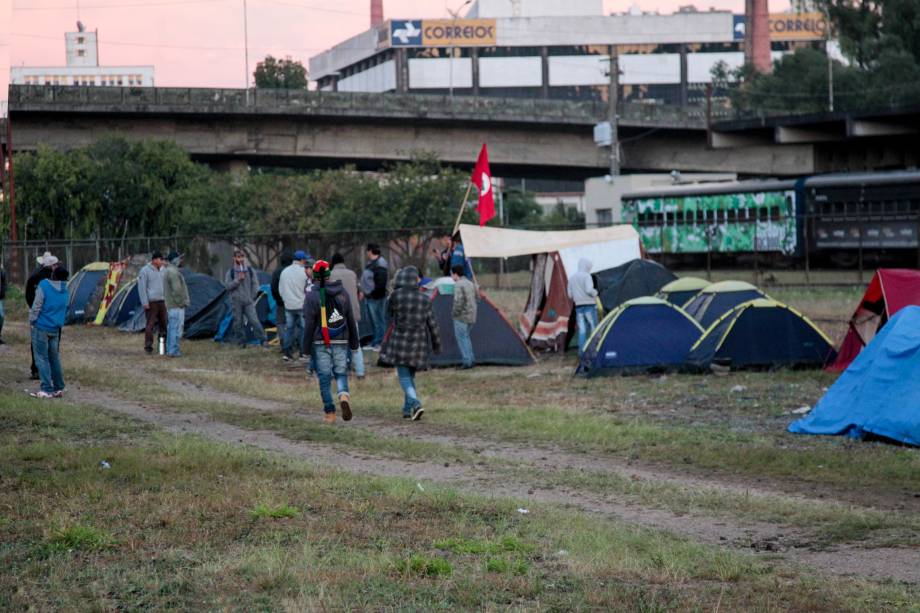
[(200, 42)]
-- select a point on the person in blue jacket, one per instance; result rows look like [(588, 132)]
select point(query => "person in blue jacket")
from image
[(46, 317)]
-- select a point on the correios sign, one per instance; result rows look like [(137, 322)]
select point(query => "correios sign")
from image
[(442, 32), (789, 26)]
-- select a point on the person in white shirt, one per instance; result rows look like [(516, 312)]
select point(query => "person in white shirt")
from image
[(292, 287)]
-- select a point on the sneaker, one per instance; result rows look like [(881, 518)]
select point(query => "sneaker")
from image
[(345, 404), (329, 418), (374, 348), (287, 358), (417, 413), (41, 394), (148, 350), (58, 394)]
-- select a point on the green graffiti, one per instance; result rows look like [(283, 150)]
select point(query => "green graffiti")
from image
[(751, 221)]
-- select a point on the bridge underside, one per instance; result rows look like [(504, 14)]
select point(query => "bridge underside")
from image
[(515, 150)]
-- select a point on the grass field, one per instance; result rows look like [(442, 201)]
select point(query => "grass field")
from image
[(521, 489)]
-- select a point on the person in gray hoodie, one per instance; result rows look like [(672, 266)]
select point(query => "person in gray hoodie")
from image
[(581, 291), (152, 293), (243, 287)]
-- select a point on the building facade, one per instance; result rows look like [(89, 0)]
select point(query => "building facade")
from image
[(552, 49), (82, 67)]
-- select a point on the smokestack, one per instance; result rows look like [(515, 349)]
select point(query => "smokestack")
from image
[(757, 35), (376, 13)]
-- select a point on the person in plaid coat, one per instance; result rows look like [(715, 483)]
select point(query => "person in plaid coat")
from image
[(413, 336)]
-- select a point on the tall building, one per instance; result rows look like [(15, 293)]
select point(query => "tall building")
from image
[(552, 49), (82, 67)]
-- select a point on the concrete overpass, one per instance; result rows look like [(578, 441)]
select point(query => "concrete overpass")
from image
[(526, 137)]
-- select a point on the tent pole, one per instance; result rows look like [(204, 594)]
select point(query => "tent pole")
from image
[(469, 188)]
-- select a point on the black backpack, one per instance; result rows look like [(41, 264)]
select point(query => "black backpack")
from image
[(335, 317)]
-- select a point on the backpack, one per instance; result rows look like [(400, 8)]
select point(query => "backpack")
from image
[(335, 318)]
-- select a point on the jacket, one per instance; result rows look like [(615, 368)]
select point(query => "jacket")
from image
[(150, 285), (292, 286), (276, 279), (414, 333), (465, 301), (458, 258), (175, 289), (581, 285), (32, 283), (349, 281), (312, 317), (50, 305), (375, 278), (242, 291)]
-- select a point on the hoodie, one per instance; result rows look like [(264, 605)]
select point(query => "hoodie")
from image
[(312, 314), (150, 284), (50, 305), (581, 285)]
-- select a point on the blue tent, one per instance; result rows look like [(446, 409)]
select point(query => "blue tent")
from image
[(641, 335), (81, 288), (717, 299), (877, 394)]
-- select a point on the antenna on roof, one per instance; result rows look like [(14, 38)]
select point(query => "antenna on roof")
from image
[(80, 26)]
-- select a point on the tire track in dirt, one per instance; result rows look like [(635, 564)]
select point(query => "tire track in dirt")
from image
[(489, 481)]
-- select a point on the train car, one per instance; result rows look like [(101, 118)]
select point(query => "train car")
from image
[(839, 217)]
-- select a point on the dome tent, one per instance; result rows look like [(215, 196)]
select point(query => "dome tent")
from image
[(877, 395), (641, 335), (81, 288), (680, 292), (761, 333), (717, 299), (633, 279)]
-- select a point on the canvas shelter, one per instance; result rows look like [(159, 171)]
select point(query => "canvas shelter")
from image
[(682, 290), (633, 279), (890, 290), (641, 335), (762, 333), (717, 299), (547, 318), (89, 281), (877, 395), (495, 341)]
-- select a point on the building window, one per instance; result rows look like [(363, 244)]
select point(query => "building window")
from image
[(604, 217), (81, 52), (80, 40)]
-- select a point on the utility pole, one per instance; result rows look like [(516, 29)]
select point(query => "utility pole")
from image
[(246, 42), (830, 62), (612, 95)]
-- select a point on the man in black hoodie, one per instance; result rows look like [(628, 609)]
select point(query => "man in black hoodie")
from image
[(330, 334)]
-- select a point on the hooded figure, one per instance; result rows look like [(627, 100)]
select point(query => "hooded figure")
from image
[(581, 291)]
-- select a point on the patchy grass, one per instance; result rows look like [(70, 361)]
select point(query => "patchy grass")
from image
[(183, 535)]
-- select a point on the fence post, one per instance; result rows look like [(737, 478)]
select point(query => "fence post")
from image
[(708, 251), (805, 239), (756, 267)]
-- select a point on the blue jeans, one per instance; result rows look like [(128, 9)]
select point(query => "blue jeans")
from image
[(46, 346), (293, 329), (586, 317), (357, 360), (331, 362), (407, 382), (462, 333), (175, 326), (377, 311)]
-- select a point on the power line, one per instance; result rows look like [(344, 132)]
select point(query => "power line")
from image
[(116, 6)]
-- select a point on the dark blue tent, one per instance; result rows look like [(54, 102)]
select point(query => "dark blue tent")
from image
[(641, 335), (124, 306), (877, 395), (714, 301), (633, 279), (682, 290), (81, 288), (203, 291), (762, 333)]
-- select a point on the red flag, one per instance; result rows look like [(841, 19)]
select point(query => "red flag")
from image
[(482, 178)]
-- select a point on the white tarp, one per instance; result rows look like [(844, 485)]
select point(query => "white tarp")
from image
[(606, 247)]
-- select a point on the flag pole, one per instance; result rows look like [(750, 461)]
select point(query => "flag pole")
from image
[(469, 188)]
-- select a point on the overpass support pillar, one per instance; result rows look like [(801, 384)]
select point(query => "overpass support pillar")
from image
[(402, 71), (238, 169)]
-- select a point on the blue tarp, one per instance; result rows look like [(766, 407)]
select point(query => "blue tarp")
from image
[(878, 394)]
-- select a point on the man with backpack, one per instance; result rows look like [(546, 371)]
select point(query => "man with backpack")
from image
[(330, 333)]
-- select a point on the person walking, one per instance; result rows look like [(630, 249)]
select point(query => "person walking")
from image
[(151, 290), (2, 298), (46, 265), (374, 281), (348, 278), (177, 300), (243, 287), (286, 260), (581, 291), (464, 314), (293, 287), (330, 332), (46, 318), (415, 335)]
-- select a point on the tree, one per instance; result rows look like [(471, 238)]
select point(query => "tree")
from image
[(272, 73)]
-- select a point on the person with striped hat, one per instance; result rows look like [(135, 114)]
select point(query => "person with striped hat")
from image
[(330, 334)]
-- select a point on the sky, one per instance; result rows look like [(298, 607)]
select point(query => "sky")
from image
[(201, 42)]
